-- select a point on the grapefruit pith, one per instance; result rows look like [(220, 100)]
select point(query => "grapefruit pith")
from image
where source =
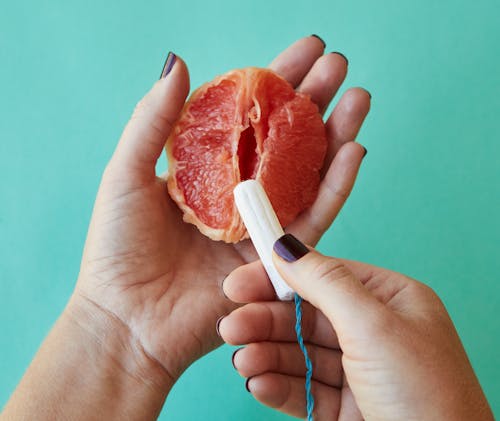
[(248, 123)]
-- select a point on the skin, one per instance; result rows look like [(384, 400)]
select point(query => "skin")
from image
[(382, 345), (149, 290)]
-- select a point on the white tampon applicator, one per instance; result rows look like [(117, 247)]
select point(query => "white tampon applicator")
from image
[(264, 228)]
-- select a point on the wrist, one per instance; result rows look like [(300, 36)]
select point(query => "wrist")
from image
[(90, 367), (116, 377), (110, 342)]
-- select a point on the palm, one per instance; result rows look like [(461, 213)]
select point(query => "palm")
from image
[(155, 268), (159, 275)]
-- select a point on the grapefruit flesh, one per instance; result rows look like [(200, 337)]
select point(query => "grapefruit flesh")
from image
[(248, 123)]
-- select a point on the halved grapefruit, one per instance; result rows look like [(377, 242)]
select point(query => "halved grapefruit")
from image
[(248, 123)]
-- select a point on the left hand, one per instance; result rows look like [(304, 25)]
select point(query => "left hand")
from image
[(157, 278)]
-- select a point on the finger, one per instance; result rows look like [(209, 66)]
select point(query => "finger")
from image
[(349, 410), (324, 79), (342, 163), (249, 283), (333, 192), (294, 63), (363, 271), (275, 322), (287, 358), (286, 394), (345, 121), (331, 287), (145, 135)]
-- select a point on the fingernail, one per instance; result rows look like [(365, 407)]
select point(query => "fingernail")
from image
[(247, 386), (289, 248), (365, 152), (368, 92), (222, 288), (234, 355), (321, 39), (341, 55), (168, 65), (217, 324)]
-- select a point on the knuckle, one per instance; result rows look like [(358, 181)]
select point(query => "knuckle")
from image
[(329, 270), (431, 298), (426, 303), (425, 292), (111, 173), (147, 111), (337, 189), (108, 172), (340, 190), (141, 107)]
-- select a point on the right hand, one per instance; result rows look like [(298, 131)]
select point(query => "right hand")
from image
[(382, 345)]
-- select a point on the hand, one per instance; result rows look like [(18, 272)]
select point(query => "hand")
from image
[(148, 293), (382, 345), (158, 277)]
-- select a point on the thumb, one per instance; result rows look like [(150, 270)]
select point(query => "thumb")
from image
[(144, 137), (328, 285)]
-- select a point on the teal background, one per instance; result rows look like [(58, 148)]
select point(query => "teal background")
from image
[(426, 203)]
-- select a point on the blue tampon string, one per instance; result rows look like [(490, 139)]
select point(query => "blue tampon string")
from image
[(309, 369)]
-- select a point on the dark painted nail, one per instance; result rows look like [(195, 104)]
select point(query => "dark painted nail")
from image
[(289, 248), (246, 385), (341, 55), (217, 324), (234, 355), (168, 65), (365, 152), (321, 39), (368, 92)]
